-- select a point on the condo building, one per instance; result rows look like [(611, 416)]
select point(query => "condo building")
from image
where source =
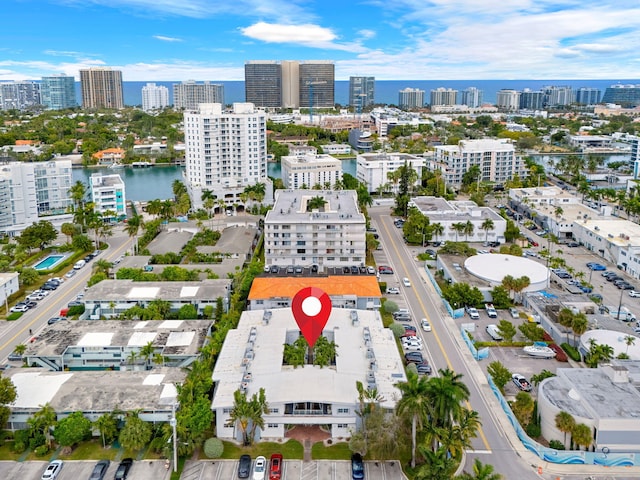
[(443, 96), (310, 171), (108, 195), (101, 88), (411, 98), (58, 92), (373, 169), (361, 92), (627, 96), (30, 192), (496, 158), (588, 96), (226, 150), (508, 99), (154, 97), (300, 232), (290, 83), (19, 95), (471, 97), (190, 94)]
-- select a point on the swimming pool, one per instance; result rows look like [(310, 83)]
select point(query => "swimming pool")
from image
[(48, 262)]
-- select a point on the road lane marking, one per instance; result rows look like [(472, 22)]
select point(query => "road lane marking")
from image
[(435, 333)]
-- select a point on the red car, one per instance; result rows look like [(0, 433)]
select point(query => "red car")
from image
[(275, 467)]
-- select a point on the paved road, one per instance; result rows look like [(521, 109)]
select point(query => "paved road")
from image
[(17, 332)]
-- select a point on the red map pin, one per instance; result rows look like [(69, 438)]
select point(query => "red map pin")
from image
[(311, 308)]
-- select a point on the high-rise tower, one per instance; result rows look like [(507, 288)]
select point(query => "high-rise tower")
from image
[(101, 88)]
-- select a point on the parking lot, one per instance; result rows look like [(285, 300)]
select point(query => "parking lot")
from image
[(75, 470)]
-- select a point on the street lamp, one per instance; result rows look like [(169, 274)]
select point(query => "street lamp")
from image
[(174, 423), (620, 303)]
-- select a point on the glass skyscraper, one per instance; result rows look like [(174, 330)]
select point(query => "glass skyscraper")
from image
[(58, 92)]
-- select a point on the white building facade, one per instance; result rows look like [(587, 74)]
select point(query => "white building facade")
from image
[(373, 168), (331, 236), (154, 97), (30, 192), (226, 151), (108, 195), (497, 160), (310, 171)]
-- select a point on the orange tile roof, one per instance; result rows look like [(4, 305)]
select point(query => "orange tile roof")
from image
[(25, 142), (287, 287)]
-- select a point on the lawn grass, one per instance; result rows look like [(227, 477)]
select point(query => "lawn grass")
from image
[(339, 451), (292, 450), (7, 453), (91, 450)]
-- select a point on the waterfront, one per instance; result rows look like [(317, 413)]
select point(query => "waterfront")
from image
[(144, 184)]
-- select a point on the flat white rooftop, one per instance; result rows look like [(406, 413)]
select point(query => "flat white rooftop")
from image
[(253, 355)]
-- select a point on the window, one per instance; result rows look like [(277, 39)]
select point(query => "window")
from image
[(343, 410), (273, 410), (342, 425), (226, 410), (272, 425)]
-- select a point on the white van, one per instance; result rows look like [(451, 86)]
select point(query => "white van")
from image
[(493, 332), (79, 264)]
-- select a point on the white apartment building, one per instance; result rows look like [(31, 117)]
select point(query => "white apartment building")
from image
[(496, 158), (226, 151), (30, 192), (443, 96), (310, 171), (154, 97), (252, 357), (411, 98), (108, 195), (373, 168), (472, 97), (189, 94), (508, 99), (337, 149), (331, 236), (448, 213)]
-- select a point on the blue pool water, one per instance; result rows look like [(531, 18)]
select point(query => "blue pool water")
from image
[(48, 262), (547, 294)]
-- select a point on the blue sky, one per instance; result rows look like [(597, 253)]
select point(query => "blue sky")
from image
[(175, 40)]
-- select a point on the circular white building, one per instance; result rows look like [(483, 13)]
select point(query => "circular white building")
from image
[(494, 267), (616, 340)]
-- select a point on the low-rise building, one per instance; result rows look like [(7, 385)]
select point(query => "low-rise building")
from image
[(111, 298), (361, 292), (108, 195), (487, 225), (297, 232), (310, 171), (94, 393), (252, 358), (117, 344), (373, 169), (109, 156), (337, 149)]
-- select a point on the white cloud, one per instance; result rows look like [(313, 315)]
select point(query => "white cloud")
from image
[(366, 34), (167, 39), (305, 34)]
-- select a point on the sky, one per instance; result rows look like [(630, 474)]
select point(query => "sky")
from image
[(177, 40)]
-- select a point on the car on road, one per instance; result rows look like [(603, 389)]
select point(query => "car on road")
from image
[(634, 293), (19, 307), (275, 467), (393, 290), (521, 382), (15, 357), (244, 466), (357, 467), (406, 282), (426, 326), (259, 468), (123, 469), (473, 313), (49, 286), (413, 357), (99, 470), (53, 470), (70, 273)]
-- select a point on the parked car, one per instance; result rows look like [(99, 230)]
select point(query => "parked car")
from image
[(260, 468), (573, 244), (412, 346), (634, 293), (409, 329), (596, 266), (275, 467), (99, 470), (393, 290), (357, 467), (514, 312), (244, 466), (491, 311), (74, 303), (494, 333), (290, 269), (53, 320), (423, 368), (275, 269), (70, 273), (123, 469), (371, 270), (521, 382), (385, 270), (298, 270), (473, 313), (413, 357), (53, 470), (19, 307)]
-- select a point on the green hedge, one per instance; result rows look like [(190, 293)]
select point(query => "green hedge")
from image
[(572, 352), (14, 315)]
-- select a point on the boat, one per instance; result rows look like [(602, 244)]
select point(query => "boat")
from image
[(116, 165), (540, 350)]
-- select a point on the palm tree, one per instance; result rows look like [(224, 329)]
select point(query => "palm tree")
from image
[(582, 435), (147, 352), (458, 228), (136, 433), (43, 420), (154, 207), (133, 227), (580, 324), (481, 471), (20, 348), (316, 203), (628, 340), (487, 225), (178, 189), (437, 229), (438, 464), (447, 392), (107, 425), (565, 423), (468, 229), (414, 404)]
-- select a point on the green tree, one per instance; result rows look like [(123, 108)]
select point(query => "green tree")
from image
[(481, 471), (500, 374), (487, 226), (531, 331), (316, 203), (539, 377), (28, 276), (213, 448), (38, 235), (500, 297), (187, 312), (582, 435), (69, 229), (415, 406), (134, 224), (107, 425), (43, 420), (247, 414), (8, 396), (136, 433), (81, 242), (565, 423), (523, 408), (507, 330), (72, 429)]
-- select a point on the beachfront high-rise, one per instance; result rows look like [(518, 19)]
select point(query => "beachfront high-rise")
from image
[(588, 96), (226, 151), (361, 92), (290, 83), (19, 95), (101, 88), (471, 97), (58, 92), (411, 98), (190, 94), (443, 96), (154, 97)]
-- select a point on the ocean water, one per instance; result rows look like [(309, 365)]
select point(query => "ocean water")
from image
[(387, 90)]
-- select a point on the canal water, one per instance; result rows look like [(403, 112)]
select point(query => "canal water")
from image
[(144, 184)]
